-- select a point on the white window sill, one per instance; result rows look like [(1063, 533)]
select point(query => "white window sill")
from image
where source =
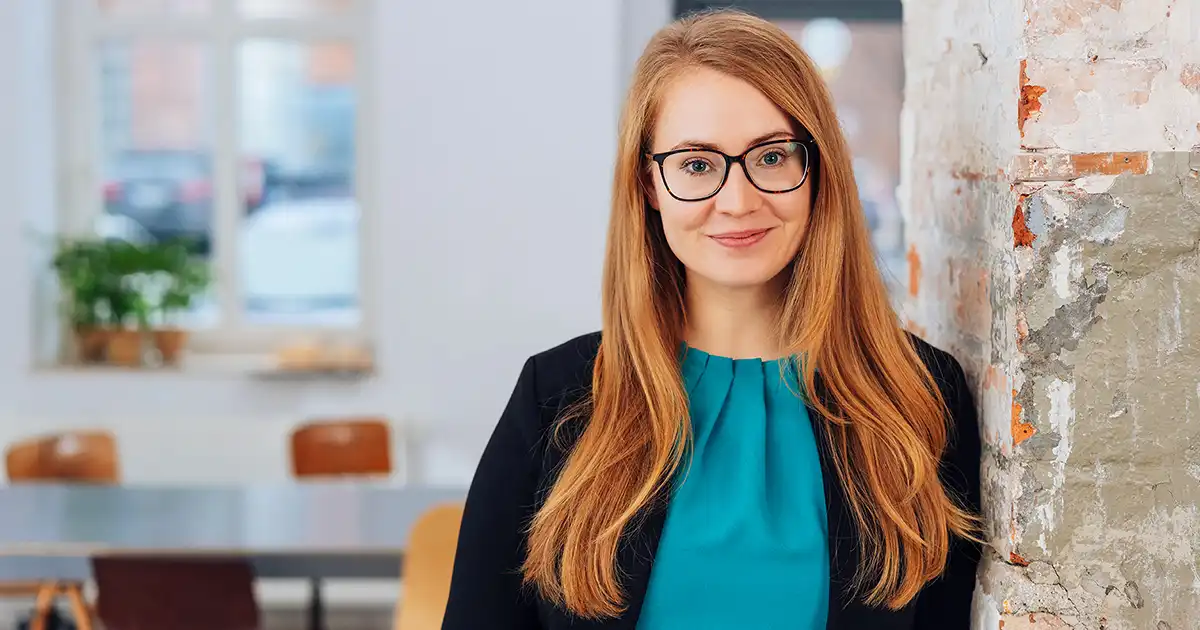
[(266, 367)]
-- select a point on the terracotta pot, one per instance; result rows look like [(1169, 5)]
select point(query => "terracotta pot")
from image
[(91, 344), (125, 348), (170, 343)]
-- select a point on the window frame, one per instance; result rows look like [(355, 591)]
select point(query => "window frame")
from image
[(845, 10), (80, 26)]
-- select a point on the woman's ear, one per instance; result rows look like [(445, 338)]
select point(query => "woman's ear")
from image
[(646, 181)]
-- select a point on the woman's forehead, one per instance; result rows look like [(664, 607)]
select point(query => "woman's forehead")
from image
[(707, 106)]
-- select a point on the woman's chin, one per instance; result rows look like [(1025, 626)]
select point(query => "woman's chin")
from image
[(739, 277)]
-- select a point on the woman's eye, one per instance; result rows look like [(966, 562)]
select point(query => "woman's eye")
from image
[(696, 167), (773, 158)]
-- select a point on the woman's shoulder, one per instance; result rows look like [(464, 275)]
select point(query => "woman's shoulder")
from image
[(946, 371), (936, 359), (551, 382), (566, 366)]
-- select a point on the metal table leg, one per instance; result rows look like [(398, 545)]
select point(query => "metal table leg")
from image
[(316, 606)]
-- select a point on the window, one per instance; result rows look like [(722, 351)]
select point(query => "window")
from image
[(863, 65), (237, 125), (873, 10), (858, 46)]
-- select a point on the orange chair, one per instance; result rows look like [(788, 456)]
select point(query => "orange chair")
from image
[(428, 565), (359, 447), (347, 447), (72, 457)]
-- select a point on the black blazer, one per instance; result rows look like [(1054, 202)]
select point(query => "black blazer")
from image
[(518, 466)]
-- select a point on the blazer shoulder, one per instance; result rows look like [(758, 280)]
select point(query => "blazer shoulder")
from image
[(955, 389), (553, 380), (944, 367), (566, 366)]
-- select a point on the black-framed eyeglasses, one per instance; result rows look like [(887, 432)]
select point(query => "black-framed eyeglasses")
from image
[(777, 166)]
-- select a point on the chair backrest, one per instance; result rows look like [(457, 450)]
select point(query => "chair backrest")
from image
[(76, 457), (137, 593), (428, 566), (347, 447)]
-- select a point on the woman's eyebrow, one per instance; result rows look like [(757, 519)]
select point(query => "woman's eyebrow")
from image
[(708, 146)]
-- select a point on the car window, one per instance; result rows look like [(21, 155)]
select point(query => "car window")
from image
[(161, 165)]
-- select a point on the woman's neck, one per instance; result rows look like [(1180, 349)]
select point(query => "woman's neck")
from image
[(732, 322)]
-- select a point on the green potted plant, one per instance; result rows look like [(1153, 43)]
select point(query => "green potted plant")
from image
[(181, 278), (120, 295), (98, 302), (126, 341)]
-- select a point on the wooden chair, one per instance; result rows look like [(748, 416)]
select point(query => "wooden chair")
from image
[(346, 447), (72, 457), (428, 565), (358, 447)]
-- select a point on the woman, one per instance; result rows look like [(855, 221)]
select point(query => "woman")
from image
[(752, 441)]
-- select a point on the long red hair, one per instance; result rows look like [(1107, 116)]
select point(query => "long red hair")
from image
[(886, 421)]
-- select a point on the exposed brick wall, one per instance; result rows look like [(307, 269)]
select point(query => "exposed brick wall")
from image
[(1053, 213)]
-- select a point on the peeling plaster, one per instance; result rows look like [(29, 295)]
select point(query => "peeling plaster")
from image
[(1060, 272), (1063, 269), (1095, 184), (1081, 106), (1021, 430), (1110, 227), (1062, 417), (1028, 105), (1022, 236), (1125, 550), (1064, 487), (1119, 75), (987, 611), (1190, 77)]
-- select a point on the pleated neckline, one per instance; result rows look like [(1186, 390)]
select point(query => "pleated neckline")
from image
[(695, 362)]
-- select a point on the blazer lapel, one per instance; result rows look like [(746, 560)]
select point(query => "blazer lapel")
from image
[(843, 553), (845, 612), (634, 559)]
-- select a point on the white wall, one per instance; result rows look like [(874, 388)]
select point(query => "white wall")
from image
[(473, 274), (640, 20)]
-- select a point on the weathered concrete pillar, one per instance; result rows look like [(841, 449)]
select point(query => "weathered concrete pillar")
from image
[(1053, 213)]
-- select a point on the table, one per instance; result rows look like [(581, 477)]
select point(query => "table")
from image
[(295, 530)]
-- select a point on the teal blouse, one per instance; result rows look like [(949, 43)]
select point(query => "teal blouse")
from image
[(745, 539)]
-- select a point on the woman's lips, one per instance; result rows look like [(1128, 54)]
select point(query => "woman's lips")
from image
[(743, 238)]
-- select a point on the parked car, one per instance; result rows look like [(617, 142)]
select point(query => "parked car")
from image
[(115, 227), (170, 192), (299, 258)]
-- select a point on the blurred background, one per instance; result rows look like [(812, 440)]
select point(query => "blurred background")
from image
[(231, 219)]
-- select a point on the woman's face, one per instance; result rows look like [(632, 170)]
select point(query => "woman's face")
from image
[(740, 237)]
